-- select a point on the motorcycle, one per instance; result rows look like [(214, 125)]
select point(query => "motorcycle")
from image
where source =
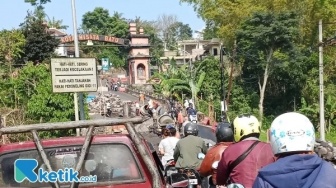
[(192, 176), (178, 180), (193, 118), (169, 169), (160, 123)]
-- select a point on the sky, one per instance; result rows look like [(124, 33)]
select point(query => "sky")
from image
[(61, 10)]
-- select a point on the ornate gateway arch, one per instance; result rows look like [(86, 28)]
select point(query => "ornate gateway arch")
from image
[(138, 58)]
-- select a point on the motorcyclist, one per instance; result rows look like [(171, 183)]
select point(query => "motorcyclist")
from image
[(186, 122), (292, 137), (246, 130), (167, 144), (187, 149), (224, 135), (191, 110)]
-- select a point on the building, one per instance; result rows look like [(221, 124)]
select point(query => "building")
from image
[(189, 51), (62, 50)]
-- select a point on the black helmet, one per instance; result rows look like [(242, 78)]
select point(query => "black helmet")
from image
[(224, 132), (191, 129)]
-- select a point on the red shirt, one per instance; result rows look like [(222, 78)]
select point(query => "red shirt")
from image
[(246, 171), (180, 117)]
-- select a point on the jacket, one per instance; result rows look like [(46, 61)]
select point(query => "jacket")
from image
[(297, 171), (247, 170), (186, 151), (213, 154)]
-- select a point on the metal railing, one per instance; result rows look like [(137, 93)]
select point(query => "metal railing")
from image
[(90, 124)]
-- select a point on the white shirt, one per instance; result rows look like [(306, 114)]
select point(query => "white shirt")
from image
[(168, 145)]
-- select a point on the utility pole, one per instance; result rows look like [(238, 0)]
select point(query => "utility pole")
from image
[(223, 107), (322, 128), (232, 69), (81, 105)]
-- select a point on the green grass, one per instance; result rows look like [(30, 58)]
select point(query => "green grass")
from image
[(263, 136), (331, 136)]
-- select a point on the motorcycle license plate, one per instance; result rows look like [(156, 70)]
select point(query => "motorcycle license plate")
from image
[(193, 181), (170, 172)]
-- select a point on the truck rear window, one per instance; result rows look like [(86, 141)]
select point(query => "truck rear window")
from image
[(112, 163)]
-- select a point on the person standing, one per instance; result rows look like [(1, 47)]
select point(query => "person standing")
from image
[(167, 144), (142, 98)]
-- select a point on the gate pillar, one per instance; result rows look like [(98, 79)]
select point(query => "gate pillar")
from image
[(138, 57)]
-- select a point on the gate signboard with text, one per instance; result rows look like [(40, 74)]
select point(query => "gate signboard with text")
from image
[(74, 75)]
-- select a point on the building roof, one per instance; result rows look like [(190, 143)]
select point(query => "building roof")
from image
[(198, 41), (56, 32)]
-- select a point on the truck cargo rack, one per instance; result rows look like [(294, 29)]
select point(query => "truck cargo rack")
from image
[(90, 124)]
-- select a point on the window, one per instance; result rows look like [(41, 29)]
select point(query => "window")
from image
[(215, 51), (110, 162)]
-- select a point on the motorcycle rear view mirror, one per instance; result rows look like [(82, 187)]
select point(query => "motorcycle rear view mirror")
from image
[(179, 180), (200, 156), (235, 185)]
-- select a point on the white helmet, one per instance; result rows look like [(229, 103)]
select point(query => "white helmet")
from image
[(292, 132)]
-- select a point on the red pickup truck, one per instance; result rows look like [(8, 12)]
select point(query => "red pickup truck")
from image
[(115, 160)]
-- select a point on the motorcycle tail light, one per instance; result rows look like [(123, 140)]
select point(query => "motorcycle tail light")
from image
[(215, 165)]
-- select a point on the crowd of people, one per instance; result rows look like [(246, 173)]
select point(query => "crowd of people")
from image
[(239, 156)]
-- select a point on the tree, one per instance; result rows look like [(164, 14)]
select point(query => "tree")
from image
[(39, 45), (34, 94), (228, 15), (212, 81), (37, 2), (58, 24), (270, 39), (11, 46), (100, 22), (182, 31), (163, 24), (169, 30), (188, 79), (210, 30)]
